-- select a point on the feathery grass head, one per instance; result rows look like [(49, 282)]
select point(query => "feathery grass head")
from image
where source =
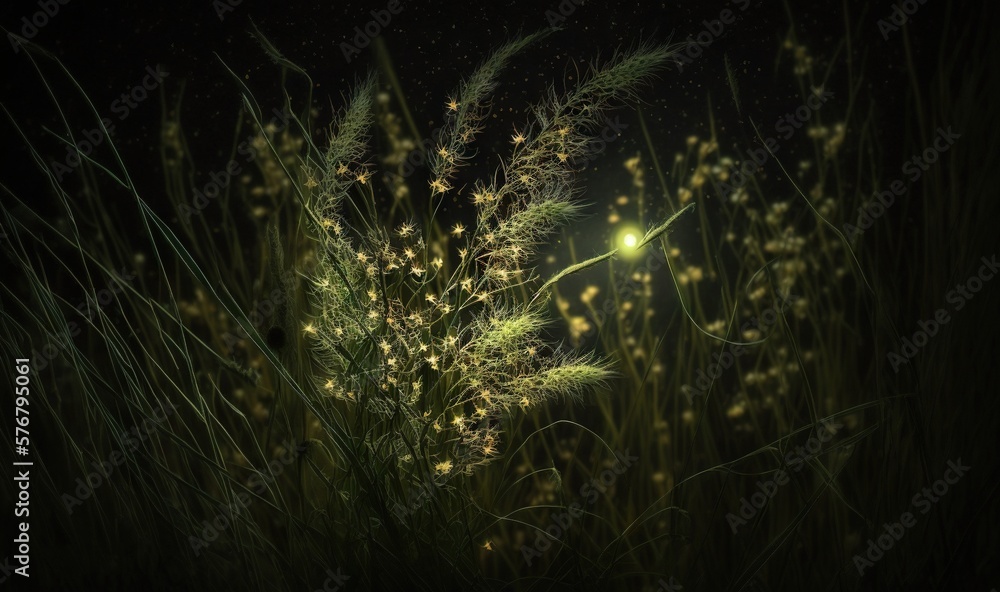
[(441, 352)]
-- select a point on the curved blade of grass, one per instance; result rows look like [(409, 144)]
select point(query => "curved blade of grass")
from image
[(648, 238)]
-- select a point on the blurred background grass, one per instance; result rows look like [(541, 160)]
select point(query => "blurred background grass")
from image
[(171, 335)]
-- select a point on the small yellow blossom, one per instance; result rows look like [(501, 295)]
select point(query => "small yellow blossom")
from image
[(405, 229), (439, 186)]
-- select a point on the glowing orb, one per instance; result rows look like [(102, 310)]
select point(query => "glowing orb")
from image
[(627, 240)]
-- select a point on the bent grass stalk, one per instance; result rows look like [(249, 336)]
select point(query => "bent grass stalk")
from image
[(415, 358)]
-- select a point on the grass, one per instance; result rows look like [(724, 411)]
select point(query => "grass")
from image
[(821, 359), (359, 381)]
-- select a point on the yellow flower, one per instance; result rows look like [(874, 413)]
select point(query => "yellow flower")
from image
[(443, 467), (405, 229), (439, 186)]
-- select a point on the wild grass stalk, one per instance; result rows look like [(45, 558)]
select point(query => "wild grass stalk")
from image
[(323, 377)]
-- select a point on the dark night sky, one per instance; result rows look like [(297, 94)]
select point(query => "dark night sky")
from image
[(107, 47)]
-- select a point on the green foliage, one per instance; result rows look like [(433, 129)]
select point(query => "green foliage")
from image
[(445, 358)]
